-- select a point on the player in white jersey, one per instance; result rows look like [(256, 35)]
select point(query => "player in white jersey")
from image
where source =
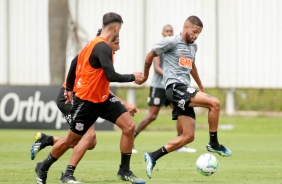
[(179, 62), (157, 97)]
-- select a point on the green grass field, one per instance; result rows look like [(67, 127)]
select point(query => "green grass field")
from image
[(256, 143)]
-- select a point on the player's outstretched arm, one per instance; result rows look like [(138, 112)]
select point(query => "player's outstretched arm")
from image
[(148, 62)]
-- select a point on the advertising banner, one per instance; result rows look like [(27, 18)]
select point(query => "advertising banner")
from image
[(34, 107)]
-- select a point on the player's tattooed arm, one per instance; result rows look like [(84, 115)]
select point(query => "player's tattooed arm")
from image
[(148, 62)]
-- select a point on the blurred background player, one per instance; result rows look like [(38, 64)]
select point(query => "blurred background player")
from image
[(157, 97)]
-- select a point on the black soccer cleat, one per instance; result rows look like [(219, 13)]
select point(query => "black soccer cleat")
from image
[(41, 176), (221, 150), (39, 144), (129, 176), (69, 179)]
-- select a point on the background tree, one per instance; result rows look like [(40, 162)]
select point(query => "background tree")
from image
[(58, 34)]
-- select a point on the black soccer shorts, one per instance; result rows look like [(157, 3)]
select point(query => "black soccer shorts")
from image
[(85, 113), (179, 95), (157, 97)]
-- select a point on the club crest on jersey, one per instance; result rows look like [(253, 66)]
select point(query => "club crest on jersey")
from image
[(181, 104), (113, 99), (79, 126), (190, 90)]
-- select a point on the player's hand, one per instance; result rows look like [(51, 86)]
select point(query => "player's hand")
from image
[(68, 96), (201, 88), (131, 109), (138, 77), (144, 78)]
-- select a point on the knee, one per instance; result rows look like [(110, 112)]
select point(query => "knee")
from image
[(188, 138), (216, 104), (129, 128), (92, 144), (90, 140), (152, 117)]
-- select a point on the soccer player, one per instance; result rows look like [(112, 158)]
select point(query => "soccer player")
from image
[(42, 140), (157, 97), (179, 62), (93, 99)]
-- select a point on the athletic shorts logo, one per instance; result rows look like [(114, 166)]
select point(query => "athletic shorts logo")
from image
[(191, 90), (68, 118), (181, 104), (113, 99), (178, 91), (157, 101), (79, 126)]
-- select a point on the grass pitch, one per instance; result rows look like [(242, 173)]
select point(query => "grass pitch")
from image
[(255, 142)]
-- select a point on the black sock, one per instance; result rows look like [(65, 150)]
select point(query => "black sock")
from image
[(135, 134), (50, 141), (125, 161), (213, 139), (159, 153), (46, 164), (70, 170)]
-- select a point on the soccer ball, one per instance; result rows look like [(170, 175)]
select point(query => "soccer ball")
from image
[(207, 164)]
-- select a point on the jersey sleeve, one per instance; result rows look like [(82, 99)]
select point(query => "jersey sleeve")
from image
[(104, 53), (71, 75), (164, 45)]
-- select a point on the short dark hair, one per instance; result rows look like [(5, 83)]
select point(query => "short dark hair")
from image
[(195, 20), (100, 31), (111, 17), (167, 25)]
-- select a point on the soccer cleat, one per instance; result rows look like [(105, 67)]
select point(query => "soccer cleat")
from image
[(221, 150), (69, 179), (39, 144), (186, 150), (150, 164), (129, 176), (41, 176)]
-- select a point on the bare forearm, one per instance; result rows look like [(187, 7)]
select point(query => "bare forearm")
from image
[(196, 77), (148, 63)]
